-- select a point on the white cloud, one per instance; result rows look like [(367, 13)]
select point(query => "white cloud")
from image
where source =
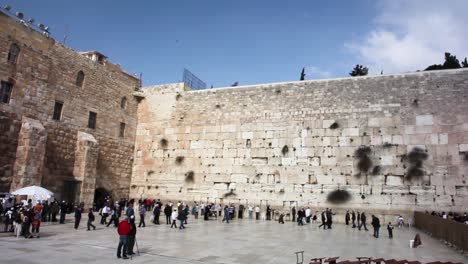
[(313, 72), (411, 35)]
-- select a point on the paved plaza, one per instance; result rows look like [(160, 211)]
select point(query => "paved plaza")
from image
[(240, 241)]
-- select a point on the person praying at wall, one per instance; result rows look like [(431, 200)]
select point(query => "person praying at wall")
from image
[(257, 213), (250, 211), (293, 212), (347, 217)]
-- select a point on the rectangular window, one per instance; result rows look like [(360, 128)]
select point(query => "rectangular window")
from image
[(92, 120), (5, 92), (57, 111), (122, 130)]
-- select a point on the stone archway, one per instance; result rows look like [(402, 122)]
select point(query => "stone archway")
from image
[(100, 195)]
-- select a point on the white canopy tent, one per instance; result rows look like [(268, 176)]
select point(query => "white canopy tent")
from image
[(35, 193)]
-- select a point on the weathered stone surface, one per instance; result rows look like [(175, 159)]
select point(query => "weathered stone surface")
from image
[(30, 153), (85, 169), (277, 142), (45, 72)]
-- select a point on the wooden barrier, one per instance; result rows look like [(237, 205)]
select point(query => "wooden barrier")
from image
[(453, 232)]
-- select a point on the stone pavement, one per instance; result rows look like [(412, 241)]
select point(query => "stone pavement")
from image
[(241, 241)]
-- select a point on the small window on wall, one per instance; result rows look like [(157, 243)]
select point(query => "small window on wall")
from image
[(13, 53), (80, 79), (122, 130), (57, 111), (92, 120), (123, 103), (5, 92)]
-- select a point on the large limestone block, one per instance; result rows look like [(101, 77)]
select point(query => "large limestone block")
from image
[(30, 154)]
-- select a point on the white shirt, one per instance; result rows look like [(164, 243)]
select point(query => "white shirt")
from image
[(307, 212), (174, 215), (257, 209), (250, 208), (105, 210)]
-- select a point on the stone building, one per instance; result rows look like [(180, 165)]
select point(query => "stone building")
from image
[(395, 143), (72, 122), (67, 119)]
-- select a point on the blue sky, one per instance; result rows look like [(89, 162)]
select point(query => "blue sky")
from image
[(256, 41)]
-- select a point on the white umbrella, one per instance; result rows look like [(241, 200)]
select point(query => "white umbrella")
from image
[(37, 192)]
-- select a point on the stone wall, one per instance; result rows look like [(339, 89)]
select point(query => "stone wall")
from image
[(291, 144), (45, 72)]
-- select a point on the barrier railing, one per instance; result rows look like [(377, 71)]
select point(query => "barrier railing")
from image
[(453, 232)]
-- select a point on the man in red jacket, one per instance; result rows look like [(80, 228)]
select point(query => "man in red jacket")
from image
[(123, 229)]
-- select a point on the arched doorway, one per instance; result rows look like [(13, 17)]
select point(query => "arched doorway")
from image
[(100, 195)]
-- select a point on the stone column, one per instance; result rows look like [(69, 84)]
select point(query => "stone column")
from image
[(30, 153), (85, 168)]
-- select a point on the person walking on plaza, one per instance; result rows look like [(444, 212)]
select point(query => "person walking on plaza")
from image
[(114, 217), (220, 210), (308, 214), (167, 213), (195, 210), (324, 220), (226, 214), (268, 213), (142, 215), (390, 230), (45, 214), (314, 218), (186, 213), (91, 219), (329, 218), (181, 216), (300, 216), (63, 212), (376, 225), (281, 218), (54, 210), (156, 213), (37, 217), (123, 230), (347, 217), (363, 221), (104, 213), (78, 212), (130, 211), (358, 218), (174, 218), (257, 213), (241, 211), (293, 212), (353, 218)]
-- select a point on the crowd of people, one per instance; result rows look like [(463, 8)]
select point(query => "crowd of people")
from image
[(25, 219)]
